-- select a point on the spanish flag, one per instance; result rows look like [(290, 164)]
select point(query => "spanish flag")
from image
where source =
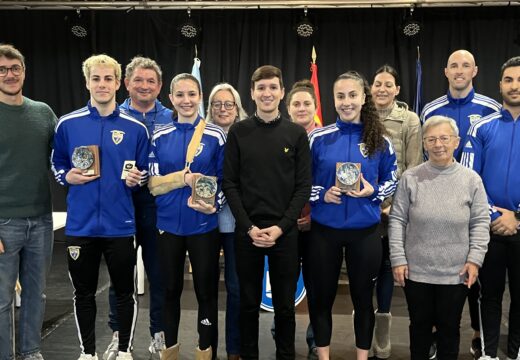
[(314, 80)]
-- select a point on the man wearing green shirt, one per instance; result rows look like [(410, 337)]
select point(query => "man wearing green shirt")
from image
[(26, 132)]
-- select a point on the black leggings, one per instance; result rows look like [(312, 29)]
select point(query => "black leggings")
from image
[(203, 250), (322, 260)]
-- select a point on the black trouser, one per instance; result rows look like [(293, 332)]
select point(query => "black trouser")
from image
[(203, 251), (503, 256), (283, 274), (439, 305), (322, 262), (473, 296), (84, 256)]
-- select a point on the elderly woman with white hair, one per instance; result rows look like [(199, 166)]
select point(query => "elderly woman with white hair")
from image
[(439, 231), (225, 108)]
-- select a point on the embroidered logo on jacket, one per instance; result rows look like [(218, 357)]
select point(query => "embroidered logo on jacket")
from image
[(473, 118), (117, 136), (74, 252), (199, 149), (363, 149)]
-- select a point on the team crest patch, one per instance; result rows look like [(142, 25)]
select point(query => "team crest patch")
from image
[(473, 118), (199, 149), (117, 136), (74, 252), (363, 149)]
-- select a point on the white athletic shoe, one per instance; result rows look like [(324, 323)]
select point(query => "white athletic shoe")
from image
[(157, 345), (124, 356), (88, 357), (113, 347)]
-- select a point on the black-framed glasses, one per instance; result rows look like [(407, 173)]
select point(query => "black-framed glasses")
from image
[(16, 70), (228, 105), (432, 140)]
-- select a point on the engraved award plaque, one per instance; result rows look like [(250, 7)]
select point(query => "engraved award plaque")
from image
[(86, 158), (348, 176), (205, 189)]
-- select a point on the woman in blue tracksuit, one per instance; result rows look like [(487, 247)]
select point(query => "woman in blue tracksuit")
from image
[(347, 219), (185, 224)]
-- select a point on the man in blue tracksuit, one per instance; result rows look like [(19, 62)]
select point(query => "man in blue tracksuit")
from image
[(143, 80), (463, 105), (100, 212), (493, 150)]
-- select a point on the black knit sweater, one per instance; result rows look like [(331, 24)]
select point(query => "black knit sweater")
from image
[(267, 172)]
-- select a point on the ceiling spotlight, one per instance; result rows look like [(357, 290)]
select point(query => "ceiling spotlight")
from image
[(410, 27), (78, 26), (188, 29), (305, 28)]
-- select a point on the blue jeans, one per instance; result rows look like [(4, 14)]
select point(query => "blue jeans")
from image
[(28, 250), (233, 294), (146, 237)]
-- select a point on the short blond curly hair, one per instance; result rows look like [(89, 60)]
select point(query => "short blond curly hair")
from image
[(104, 60)]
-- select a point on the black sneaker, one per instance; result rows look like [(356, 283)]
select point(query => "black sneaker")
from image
[(476, 348)]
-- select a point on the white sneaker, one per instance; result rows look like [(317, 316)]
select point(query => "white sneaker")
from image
[(157, 345), (486, 357), (88, 357), (113, 347), (124, 356)]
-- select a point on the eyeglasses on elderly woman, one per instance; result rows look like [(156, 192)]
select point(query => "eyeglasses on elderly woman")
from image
[(432, 140)]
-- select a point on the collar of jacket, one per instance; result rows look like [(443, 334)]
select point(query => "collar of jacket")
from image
[(462, 101), (95, 113), (349, 127)]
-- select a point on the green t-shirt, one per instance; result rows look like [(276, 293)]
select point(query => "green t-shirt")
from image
[(26, 133)]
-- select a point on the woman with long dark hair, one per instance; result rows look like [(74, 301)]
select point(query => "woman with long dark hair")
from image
[(353, 172)]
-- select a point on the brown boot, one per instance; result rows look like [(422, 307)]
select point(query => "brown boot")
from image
[(171, 353), (233, 357), (203, 354)]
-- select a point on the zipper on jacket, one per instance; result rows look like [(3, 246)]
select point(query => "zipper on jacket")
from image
[(509, 159), (184, 151), (348, 159), (99, 182)]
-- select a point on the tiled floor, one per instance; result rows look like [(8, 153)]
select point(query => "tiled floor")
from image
[(61, 343)]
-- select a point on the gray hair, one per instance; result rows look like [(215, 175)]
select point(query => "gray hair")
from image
[(225, 86), (140, 62), (438, 120)]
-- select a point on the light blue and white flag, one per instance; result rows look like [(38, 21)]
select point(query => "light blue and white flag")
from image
[(195, 71)]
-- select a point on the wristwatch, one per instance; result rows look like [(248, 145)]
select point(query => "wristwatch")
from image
[(517, 215)]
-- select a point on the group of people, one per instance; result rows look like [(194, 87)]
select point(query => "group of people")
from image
[(304, 196)]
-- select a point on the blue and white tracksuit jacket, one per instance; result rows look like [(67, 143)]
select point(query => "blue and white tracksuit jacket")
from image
[(465, 111), (169, 147), (493, 150), (102, 207), (155, 118), (342, 142), (158, 117)]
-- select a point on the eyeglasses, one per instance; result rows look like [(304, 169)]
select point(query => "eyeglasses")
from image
[(432, 140), (17, 70), (228, 105)]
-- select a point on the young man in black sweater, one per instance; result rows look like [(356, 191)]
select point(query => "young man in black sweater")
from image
[(267, 181)]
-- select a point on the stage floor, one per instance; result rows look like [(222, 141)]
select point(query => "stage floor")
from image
[(60, 333)]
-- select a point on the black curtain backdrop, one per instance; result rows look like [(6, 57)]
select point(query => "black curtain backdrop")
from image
[(235, 42)]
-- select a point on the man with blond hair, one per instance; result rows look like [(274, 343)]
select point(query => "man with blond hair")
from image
[(26, 132), (100, 214), (143, 81)]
